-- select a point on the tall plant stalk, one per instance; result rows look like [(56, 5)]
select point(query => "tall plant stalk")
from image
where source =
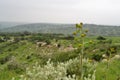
[(80, 34), (81, 58)]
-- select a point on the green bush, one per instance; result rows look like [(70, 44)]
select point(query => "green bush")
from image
[(15, 65), (64, 56), (5, 59), (1, 40), (61, 71), (97, 57), (101, 38)]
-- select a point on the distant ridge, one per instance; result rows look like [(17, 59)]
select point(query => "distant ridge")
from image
[(63, 28), (9, 24)]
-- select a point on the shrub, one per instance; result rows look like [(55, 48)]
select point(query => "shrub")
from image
[(109, 41), (112, 50), (47, 72), (47, 41), (1, 40), (63, 56), (57, 72), (101, 38), (14, 65), (74, 67), (97, 57), (5, 59)]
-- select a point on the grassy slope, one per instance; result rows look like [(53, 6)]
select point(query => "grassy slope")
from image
[(24, 49), (112, 73)]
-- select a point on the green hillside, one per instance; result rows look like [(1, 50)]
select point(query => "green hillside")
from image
[(64, 29), (9, 24), (17, 52)]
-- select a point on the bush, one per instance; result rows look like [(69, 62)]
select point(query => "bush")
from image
[(101, 38), (47, 72), (16, 39), (112, 50), (47, 41), (58, 72), (14, 65), (1, 40), (5, 59), (64, 56), (109, 41), (74, 68), (97, 57)]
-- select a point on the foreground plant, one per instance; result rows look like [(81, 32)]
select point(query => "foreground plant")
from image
[(58, 72), (48, 72), (80, 35)]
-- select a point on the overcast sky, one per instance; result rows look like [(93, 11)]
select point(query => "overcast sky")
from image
[(61, 11)]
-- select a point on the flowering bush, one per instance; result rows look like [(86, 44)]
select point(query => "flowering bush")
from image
[(47, 72), (59, 71), (73, 67)]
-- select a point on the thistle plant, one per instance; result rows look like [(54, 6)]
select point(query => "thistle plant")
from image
[(80, 35), (79, 40)]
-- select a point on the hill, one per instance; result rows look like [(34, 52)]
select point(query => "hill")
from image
[(9, 24), (64, 29)]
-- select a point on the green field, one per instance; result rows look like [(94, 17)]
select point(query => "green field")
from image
[(20, 52)]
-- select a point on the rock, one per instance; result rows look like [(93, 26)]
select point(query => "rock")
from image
[(104, 60), (40, 44), (116, 57), (95, 50)]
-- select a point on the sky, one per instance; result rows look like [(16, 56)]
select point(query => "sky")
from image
[(105, 12)]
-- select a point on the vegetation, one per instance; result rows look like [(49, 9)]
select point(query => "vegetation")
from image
[(67, 29), (39, 56)]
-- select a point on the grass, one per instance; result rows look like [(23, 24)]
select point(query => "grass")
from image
[(111, 74), (26, 54)]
